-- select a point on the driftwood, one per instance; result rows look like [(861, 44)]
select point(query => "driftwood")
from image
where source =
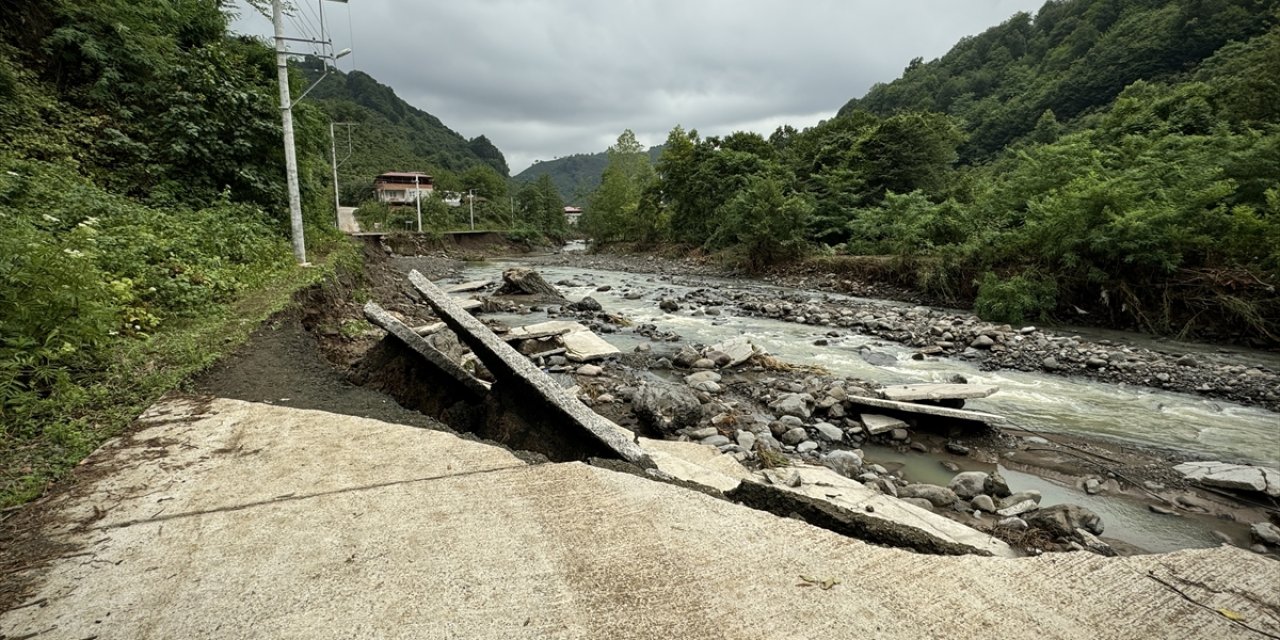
[(525, 281)]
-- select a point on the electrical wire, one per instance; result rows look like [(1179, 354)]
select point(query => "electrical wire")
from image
[(351, 38)]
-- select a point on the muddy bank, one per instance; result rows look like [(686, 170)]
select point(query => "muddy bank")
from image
[(936, 332)]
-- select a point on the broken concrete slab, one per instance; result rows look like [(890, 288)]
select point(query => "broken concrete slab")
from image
[(873, 516), (928, 410), (1240, 477), (699, 464), (877, 424), (468, 304), (739, 350), (445, 365), (584, 346), (917, 392), (543, 330), (528, 388), (464, 287)]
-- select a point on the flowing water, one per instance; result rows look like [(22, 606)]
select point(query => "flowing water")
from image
[(1037, 401)]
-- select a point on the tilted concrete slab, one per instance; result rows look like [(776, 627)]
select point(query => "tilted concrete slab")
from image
[(228, 520), (468, 304), (877, 424), (917, 392), (700, 464), (543, 330), (584, 346), (378, 316), (464, 287), (928, 410), (891, 520), (526, 384), (948, 535)]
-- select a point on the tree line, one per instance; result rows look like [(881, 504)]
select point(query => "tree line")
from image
[(1159, 210)]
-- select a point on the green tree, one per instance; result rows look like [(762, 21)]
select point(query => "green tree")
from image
[(611, 212), (764, 224)]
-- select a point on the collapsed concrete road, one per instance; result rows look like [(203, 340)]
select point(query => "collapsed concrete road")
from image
[(226, 519)]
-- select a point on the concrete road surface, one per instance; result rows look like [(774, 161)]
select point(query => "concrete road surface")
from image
[(225, 519)]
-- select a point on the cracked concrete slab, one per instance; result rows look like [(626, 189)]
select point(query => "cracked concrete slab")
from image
[(226, 519)]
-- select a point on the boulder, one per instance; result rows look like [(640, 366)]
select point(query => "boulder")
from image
[(1018, 508), (937, 496), (996, 486), (667, 407), (918, 502), (1062, 520), (706, 386), (1266, 532), (1031, 496), (795, 436), (701, 376), (969, 484), (586, 304), (589, 370), (686, 357), (746, 440), (829, 431), (794, 404), (806, 446), (983, 503), (844, 462)]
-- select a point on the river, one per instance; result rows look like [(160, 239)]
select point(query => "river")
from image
[(1141, 416)]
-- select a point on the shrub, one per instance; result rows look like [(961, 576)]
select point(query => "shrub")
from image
[(1015, 300)]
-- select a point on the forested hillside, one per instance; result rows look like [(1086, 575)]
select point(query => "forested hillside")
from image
[(1111, 162), (575, 176), (142, 190), (1072, 57), (392, 135)]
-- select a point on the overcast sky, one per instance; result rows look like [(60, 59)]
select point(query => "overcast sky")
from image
[(549, 78)]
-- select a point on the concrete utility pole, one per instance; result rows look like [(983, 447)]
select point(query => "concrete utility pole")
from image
[(471, 202), (286, 120), (333, 153), (417, 199)]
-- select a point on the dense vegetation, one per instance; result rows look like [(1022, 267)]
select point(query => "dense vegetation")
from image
[(1115, 158), (575, 176), (141, 194)]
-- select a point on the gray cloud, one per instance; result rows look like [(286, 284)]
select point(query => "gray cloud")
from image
[(548, 78)]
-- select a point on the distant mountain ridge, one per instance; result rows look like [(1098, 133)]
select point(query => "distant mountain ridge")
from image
[(575, 176)]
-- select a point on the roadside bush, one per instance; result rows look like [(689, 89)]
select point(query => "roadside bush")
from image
[(1015, 300)]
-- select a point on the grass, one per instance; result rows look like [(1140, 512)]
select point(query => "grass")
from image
[(107, 401)]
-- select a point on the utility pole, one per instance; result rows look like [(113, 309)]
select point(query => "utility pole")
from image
[(333, 152), (417, 199), (286, 120), (471, 203)]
